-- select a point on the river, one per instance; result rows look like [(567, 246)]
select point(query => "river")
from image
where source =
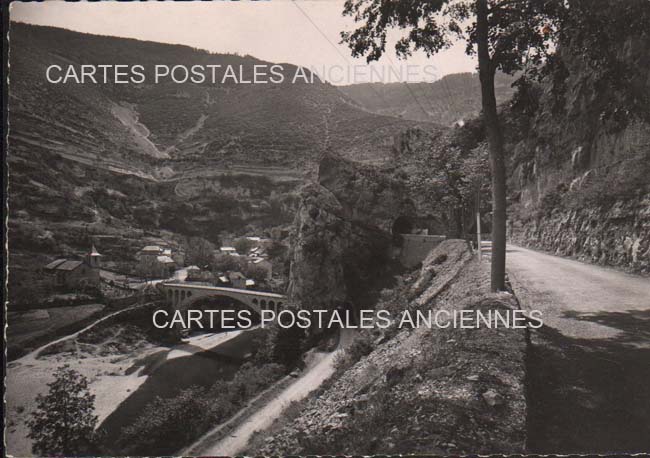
[(168, 376)]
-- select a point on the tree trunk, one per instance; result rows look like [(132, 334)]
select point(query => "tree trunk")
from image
[(495, 144)]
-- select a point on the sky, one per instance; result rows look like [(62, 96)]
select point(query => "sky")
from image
[(305, 33)]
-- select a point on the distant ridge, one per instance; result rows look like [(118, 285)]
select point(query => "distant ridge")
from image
[(445, 101)]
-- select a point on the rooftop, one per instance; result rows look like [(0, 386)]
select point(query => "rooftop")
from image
[(54, 264), (69, 265)]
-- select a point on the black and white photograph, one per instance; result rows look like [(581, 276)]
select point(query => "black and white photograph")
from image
[(326, 227)]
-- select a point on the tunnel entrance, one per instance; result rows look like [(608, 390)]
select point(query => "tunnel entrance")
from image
[(401, 225)]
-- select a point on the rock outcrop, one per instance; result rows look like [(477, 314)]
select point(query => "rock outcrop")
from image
[(316, 277), (616, 234), (341, 239), (367, 194), (332, 257)]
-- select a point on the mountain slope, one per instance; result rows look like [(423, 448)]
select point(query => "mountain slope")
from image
[(136, 124), (120, 164), (446, 101)]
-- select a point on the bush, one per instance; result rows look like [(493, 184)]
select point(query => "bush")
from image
[(361, 346), (281, 346), (242, 245), (156, 431), (225, 263), (256, 273)]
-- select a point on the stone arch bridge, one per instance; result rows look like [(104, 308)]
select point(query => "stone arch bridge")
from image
[(182, 295)]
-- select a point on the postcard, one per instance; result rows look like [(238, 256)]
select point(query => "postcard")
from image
[(327, 227)]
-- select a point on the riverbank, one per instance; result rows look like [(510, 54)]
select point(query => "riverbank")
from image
[(117, 366)]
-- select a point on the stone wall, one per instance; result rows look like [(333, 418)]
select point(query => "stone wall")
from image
[(416, 247)]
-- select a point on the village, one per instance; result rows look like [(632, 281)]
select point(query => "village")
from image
[(244, 264)]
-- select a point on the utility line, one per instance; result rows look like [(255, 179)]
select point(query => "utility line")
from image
[(343, 56), (346, 60), (390, 61)]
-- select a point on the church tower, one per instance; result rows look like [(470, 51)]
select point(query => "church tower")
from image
[(94, 258)]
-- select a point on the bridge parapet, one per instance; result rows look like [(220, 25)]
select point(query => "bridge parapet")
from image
[(182, 295)]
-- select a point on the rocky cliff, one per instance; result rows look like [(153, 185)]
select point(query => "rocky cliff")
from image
[(577, 146), (580, 151), (316, 276), (368, 194), (615, 234), (342, 232)]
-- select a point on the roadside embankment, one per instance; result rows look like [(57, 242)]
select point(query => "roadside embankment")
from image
[(419, 390)]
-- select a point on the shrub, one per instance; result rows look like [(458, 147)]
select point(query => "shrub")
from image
[(156, 431), (361, 346), (242, 245), (224, 263)]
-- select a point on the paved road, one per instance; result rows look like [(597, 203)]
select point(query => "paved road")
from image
[(572, 293), (589, 365)]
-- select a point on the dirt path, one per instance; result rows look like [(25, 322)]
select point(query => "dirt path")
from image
[(31, 356), (589, 366), (319, 370)]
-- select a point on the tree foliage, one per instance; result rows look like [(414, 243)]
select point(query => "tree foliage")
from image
[(168, 424), (506, 35), (611, 38), (255, 272), (521, 32), (282, 345), (243, 245), (63, 423), (199, 251), (448, 176)]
